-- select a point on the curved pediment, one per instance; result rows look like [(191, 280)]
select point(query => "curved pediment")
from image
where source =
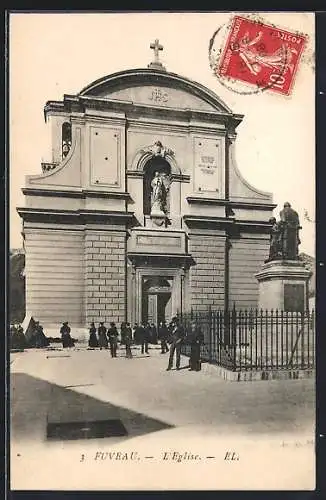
[(154, 87)]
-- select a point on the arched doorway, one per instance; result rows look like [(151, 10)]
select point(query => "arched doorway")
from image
[(155, 164), (156, 299)]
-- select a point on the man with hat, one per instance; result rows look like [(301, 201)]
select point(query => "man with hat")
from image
[(113, 339), (177, 337)]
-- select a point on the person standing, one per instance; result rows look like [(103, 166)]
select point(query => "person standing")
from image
[(148, 332), (178, 335), (135, 333), (196, 339), (153, 333), (128, 340), (102, 338), (113, 339), (163, 334), (143, 333), (123, 333), (65, 335), (93, 341), (42, 341)]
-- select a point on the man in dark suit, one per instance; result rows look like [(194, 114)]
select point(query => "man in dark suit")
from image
[(177, 337), (113, 339), (144, 338), (163, 334)]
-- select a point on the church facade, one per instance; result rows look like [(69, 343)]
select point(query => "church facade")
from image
[(142, 212)]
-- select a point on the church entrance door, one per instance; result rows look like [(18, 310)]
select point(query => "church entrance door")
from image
[(156, 304)]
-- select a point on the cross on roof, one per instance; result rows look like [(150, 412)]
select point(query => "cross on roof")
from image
[(156, 47)]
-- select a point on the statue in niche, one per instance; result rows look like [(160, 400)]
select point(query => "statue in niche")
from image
[(160, 188), (284, 235)]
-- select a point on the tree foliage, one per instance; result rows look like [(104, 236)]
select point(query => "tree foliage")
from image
[(17, 287)]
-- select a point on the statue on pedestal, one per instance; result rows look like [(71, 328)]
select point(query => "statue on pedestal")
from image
[(290, 232), (275, 248), (284, 235)]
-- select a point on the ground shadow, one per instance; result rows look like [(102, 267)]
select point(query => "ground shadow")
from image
[(35, 403)]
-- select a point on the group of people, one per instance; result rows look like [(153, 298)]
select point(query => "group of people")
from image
[(17, 337), (192, 336), (104, 337), (171, 337), (147, 333), (34, 337)]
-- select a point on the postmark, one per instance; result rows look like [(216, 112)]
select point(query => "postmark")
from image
[(251, 56)]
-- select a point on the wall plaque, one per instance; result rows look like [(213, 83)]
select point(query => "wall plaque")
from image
[(206, 168), (294, 298), (166, 241), (105, 156)]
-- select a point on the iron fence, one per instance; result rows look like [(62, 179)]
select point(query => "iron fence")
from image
[(255, 339)]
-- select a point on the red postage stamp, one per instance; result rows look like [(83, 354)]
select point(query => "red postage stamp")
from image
[(261, 55)]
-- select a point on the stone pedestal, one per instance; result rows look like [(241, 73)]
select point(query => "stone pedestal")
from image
[(158, 219), (283, 285)]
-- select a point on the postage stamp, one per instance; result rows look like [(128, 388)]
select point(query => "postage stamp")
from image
[(260, 55)]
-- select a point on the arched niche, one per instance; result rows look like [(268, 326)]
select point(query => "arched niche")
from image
[(163, 167)]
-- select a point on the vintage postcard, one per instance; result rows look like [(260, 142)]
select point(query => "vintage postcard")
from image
[(162, 251)]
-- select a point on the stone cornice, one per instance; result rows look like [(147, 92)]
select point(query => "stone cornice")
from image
[(285, 269), (176, 126), (161, 259), (252, 226), (174, 177), (231, 223), (74, 216), (199, 220), (132, 110), (233, 204), (81, 194)]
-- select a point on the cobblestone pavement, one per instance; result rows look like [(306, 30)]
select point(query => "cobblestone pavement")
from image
[(197, 410)]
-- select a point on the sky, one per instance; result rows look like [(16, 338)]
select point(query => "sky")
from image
[(55, 54)]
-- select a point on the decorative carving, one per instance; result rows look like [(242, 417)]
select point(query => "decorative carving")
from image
[(157, 149), (66, 145), (47, 167), (66, 139), (158, 96), (284, 235)]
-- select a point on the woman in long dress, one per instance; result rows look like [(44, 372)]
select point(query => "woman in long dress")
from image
[(102, 338), (93, 341), (65, 335), (196, 339)]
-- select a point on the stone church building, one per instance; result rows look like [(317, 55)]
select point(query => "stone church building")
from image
[(142, 212)]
